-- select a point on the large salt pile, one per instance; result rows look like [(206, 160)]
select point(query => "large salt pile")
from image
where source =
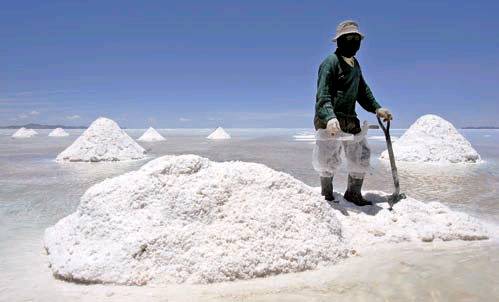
[(187, 219), (102, 141), (151, 135), (219, 133), (58, 132), (24, 133), (433, 139)]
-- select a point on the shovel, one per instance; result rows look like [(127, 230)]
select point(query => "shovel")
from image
[(396, 196)]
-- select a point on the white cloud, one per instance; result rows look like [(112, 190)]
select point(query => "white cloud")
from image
[(183, 119), (73, 117), (43, 92), (24, 93), (22, 116)]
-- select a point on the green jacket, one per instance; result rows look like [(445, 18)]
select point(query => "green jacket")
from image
[(338, 88)]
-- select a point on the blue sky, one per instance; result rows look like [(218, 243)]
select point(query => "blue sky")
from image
[(240, 63)]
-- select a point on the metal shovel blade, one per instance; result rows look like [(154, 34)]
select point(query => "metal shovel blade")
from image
[(394, 198)]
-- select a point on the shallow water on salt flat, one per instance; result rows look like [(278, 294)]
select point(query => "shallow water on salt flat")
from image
[(35, 192)]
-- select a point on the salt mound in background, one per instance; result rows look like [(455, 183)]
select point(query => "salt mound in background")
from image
[(24, 133), (58, 132), (151, 135), (219, 133), (187, 219), (433, 139), (102, 141)]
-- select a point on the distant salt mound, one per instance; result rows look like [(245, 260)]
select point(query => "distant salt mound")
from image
[(24, 133), (219, 133), (151, 135), (102, 141), (187, 219), (433, 139), (59, 132)]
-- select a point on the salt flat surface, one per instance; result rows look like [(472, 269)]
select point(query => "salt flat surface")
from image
[(102, 141), (310, 137), (187, 219), (36, 192), (381, 138), (304, 137), (435, 140)]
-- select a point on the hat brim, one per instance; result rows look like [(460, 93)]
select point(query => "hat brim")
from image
[(349, 32)]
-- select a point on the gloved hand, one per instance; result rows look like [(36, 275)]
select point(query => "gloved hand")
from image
[(333, 126), (384, 114)]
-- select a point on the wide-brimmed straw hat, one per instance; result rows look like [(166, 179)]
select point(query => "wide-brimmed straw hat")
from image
[(347, 27)]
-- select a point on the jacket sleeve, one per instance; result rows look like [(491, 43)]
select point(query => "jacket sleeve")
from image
[(324, 109), (366, 98)]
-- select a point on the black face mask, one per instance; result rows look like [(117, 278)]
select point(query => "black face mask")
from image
[(348, 48)]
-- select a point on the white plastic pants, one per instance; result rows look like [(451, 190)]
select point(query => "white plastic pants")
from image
[(327, 157)]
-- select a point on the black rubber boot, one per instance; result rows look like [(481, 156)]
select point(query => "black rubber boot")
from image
[(353, 193), (327, 188)]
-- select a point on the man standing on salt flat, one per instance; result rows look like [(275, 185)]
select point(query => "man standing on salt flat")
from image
[(339, 87)]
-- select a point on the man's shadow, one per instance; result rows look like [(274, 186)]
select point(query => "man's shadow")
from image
[(345, 207)]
